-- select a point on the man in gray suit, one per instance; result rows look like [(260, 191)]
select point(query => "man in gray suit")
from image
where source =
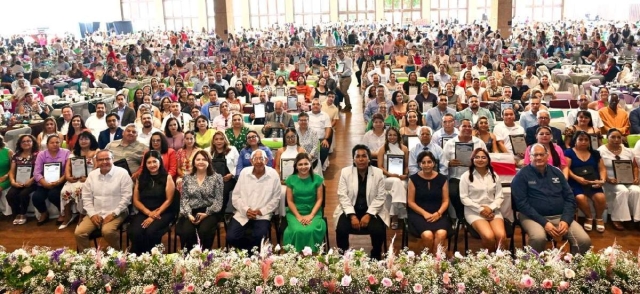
[(277, 122), (126, 114)]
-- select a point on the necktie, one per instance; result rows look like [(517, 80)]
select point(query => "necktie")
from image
[(276, 134), (425, 148)]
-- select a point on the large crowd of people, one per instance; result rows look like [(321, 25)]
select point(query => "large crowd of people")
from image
[(438, 103)]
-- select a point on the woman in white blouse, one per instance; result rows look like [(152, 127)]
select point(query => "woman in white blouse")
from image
[(395, 183), (623, 200), (481, 195), (374, 138), (224, 158), (383, 71)]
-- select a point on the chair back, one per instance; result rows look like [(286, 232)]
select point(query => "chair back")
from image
[(11, 137), (81, 108)]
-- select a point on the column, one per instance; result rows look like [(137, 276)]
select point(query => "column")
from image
[(500, 16), (426, 11), (379, 12), (288, 11), (223, 13), (333, 10)]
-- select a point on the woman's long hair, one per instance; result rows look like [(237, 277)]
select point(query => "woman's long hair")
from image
[(88, 135), (145, 177), (386, 139), (226, 148), (552, 150), (72, 130), (210, 170), (472, 167), (167, 132), (299, 157), (164, 145)]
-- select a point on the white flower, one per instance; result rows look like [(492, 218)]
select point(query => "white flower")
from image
[(387, 282), (458, 255), (293, 281), (277, 248), (50, 276), (155, 251), (27, 269), (346, 281), (608, 251), (206, 284), (111, 251), (307, 251), (411, 254), (569, 273), (196, 250), (330, 252)]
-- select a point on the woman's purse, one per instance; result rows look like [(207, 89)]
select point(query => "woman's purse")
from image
[(588, 173)]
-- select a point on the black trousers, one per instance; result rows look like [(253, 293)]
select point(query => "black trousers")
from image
[(18, 198), (42, 194), (143, 240), (454, 197), (236, 233), (227, 206), (190, 233), (376, 229)]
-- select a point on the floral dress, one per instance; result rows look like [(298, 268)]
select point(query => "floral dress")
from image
[(73, 191), (184, 159), (240, 141)]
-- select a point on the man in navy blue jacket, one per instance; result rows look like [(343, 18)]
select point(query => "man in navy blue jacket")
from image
[(547, 204), (112, 133)]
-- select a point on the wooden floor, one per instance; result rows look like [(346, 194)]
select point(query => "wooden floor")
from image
[(349, 131)]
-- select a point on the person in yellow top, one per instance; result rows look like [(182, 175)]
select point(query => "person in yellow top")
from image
[(204, 135), (614, 117)]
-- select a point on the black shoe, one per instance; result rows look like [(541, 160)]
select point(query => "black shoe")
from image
[(40, 223)]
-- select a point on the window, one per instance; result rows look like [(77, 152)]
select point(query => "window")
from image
[(211, 20), (350, 10), (238, 12), (402, 11), (265, 13), (181, 15), (484, 10), (141, 13), (449, 10), (540, 10), (310, 13)]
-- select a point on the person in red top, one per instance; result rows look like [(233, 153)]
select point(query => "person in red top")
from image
[(173, 39), (86, 73), (184, 36), (112, 55)]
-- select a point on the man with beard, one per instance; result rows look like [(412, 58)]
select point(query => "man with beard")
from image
[(112, 133), (126, 114), (147, 130), (474, 112)]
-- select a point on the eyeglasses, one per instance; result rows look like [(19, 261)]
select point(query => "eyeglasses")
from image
[(258, 159), (103, 159), (538, 154), (543, 117)]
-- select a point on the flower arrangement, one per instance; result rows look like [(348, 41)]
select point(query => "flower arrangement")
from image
[(272, 270)]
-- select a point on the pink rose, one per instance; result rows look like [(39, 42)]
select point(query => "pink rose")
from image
[(386, 282), (82, 289), (417, 288), (50, 276), (279, 281), (399, 276), (461, 287), (247, 261), (190, 288), (526, 281), (564, 285), (59, 289), (446, 278), (307, 251), (496, 279), (547, 284), (346, 281), (107, 287), (258, 289), (372, 280), (615, 290), (293, 281), (149, 289)]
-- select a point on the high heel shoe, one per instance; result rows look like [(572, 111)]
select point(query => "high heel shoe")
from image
[(588, 224), (67, 223), (44, 218), (600, 225)]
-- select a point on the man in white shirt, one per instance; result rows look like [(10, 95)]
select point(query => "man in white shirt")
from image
[(471, 68), (331, 109), (254, 207), (320, 123), (442, 76), (97, 121), (147, 130), (64, 121), (529, 79), (448, 130), (220, 81), (105, 196), (508, 128), (426, 144), (176, 112), (583, 105)]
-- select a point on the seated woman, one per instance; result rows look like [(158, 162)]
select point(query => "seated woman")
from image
[(174, 134), (587, 175), (223, 121), (237, 133), (584, 122), (203, 133), (158, 142), (395, 183), (49, 189), (152, 196), (388, 119), (308, 139), (165, 107), (482, 132), (547, 89), (184, 157), (602, 102), (428, 201), (76, 127), (253, 144), (19, 195), (289, 151), (200, 204), (374, 138), (305, 226), (50, 129), (234, 102), (5, 165), (86, 147), (557, 158), (481, 195), (623, 200), (224, 157)]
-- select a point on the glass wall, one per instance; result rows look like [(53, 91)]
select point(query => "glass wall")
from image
[(310, 13), (484, 10), (211, 20), (538, 10), (402, 11), (141, 13), (449, 10), (351, 10), (181, 15), (238, 12), (265, 13)]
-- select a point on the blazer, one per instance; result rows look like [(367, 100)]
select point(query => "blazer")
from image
[(128, 117), (556, 134), (634, 121), (104, 138), (287, 120), (348, 193), (59, 122)]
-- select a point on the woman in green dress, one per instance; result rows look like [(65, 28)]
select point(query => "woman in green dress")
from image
[(5, 165), (304, 209), (237, 133)]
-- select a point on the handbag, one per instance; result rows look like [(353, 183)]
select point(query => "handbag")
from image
[(588, 173)]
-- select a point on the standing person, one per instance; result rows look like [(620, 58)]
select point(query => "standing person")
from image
[(428, 200), (345, 78), (200, 204), (481, 195), (49, 190), (19, 195), (106, 195), (304, 206), (153, 197)]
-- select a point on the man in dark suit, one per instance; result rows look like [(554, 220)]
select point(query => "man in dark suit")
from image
[(112, 133), (64, 121), (543, 121), (268, 108), (126, 114), (277, 122)]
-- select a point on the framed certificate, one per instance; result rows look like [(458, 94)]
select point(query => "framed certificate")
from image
[(594, 142), (78, 166), (52, 171), (413, 91), (280, 92), (412, 141), (123, 164), (259, 110), (24, 173), (463, 153), (518, 144), (296, 59), (395, 164), (292, 103), (192, 124), (286, 168), (214, 110), (506, 105), (623, 171), (302, 67), (340, 67)]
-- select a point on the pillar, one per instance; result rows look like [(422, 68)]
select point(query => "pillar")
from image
[(501, 16), (288, 11), (333, 10), (426, 11), (223, 12)]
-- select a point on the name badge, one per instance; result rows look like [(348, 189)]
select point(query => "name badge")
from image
[(555, 180), (532, 182), (247, 156)]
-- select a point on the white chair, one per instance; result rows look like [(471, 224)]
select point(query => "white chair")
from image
[(109, 91), (560, 125), (11, 136), (109, 103), (51, 98), (81, 108), (564, 95), (586, 88)]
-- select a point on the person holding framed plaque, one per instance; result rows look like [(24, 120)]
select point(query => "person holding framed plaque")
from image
[(393, 159), (49, 178), (621, 185), (584, 122), (21, 177), (79, 164), (288, 152), (587, 175), (224, 157)]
